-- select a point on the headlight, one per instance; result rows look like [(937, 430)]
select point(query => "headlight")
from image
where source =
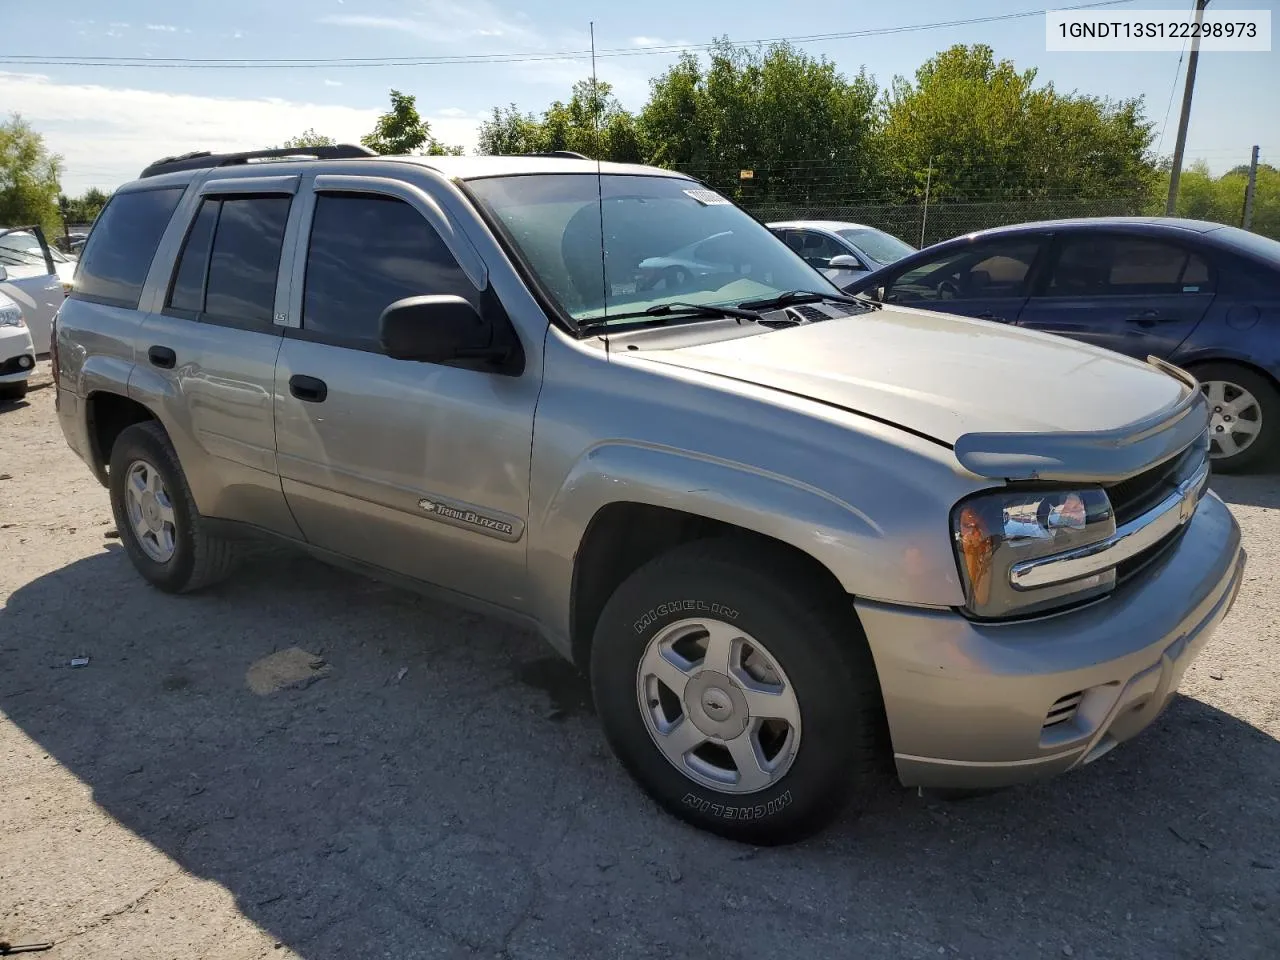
[(995, 530), (11, 317)]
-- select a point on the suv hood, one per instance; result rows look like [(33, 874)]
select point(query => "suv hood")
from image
[(1013, 403)]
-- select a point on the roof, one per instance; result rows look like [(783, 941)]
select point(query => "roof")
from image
[(259, 162), (1173, 223), (471, 168), (819, 225)]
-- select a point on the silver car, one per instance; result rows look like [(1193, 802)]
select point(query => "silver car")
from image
[(842, 252), (792, 537), (37, 276)]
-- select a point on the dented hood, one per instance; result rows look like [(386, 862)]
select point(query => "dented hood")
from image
[(1013, 403)]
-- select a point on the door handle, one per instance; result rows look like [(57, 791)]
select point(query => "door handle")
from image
[(310, 389), (992, 316), (1144, 318), (162, 357)]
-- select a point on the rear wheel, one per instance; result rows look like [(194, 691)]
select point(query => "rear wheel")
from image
[(159, 525), (740, 697), (1244, 414)]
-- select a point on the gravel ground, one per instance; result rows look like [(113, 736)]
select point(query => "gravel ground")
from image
[(438, 787)]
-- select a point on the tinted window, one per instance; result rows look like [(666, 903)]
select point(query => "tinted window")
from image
[(366, 253), (990, 269), (246, 259), (814, 247), (1119, 266), (122, 245), (188, 280)]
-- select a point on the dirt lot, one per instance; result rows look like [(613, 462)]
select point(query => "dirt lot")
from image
[(439, 787)]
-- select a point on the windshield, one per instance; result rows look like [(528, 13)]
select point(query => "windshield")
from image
[(664, 239), (21, 248), (878, 245)]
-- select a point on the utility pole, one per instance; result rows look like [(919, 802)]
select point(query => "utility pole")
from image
[(1171, 206), (924, 215), (1247, 220)]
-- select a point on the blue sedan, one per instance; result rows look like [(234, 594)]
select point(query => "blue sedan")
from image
[(1203, 296)]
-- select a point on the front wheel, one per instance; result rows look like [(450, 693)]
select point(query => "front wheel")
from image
[(1244, 415), (740, 697)]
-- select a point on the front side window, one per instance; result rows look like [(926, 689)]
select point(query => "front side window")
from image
[(1100, 265), (367, 251), (998, 268), (122, 245), (816, 249), (619, 244)]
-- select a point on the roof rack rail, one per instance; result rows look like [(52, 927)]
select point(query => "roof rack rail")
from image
[(564, 154), (203, 159)]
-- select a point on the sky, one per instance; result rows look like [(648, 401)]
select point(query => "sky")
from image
[(109, 122)]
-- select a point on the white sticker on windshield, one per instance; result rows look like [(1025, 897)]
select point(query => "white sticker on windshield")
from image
[(707, 198)]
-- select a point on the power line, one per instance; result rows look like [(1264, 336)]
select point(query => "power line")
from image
[(498, 58)]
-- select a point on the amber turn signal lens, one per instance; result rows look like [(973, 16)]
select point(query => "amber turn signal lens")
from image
[(976, 546)]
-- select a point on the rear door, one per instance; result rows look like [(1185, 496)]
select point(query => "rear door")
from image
[(1134, 294), (419, 468), (988, 279), (208, 352)]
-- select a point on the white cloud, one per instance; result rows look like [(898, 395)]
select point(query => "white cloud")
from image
[(648, 42), (122, 26), (451, 112), (447, 22), (162, 28), (106, 135), (333, 83), (237, 35)]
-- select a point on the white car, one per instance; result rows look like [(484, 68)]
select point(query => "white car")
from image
[(17, 354), (37, 276), (842, 252)]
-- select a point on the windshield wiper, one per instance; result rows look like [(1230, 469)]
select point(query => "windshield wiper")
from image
[(793, 297), (674, 309)]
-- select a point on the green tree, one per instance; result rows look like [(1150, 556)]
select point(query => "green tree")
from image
[(402, 131), (308, 138), (989, 133), (84, 209), (507, 131), (1201, 196), (803, 129), (29, 178)]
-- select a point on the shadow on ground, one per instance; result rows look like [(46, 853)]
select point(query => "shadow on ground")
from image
[(1250, 490), (464, 810)]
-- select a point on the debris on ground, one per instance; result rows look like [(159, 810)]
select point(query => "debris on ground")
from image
[(78, 662), (291, 669)]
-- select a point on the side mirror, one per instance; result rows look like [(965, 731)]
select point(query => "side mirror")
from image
[(878, 294), (4, 274), (845, 261), (437, 329)]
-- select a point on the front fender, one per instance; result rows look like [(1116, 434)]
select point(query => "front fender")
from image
[(863, 553)]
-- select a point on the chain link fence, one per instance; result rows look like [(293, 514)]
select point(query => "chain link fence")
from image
[(921, 224)]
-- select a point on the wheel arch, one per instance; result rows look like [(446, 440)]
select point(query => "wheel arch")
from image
[(107, 415)]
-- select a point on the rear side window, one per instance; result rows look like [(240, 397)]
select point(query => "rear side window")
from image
[(229, 263), (122, 245), (366, 252), (1100, 266)]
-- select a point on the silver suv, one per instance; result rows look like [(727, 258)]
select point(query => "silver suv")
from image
[(793, 537)]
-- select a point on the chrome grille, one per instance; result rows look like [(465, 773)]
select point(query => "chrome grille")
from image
[(1135, 495)]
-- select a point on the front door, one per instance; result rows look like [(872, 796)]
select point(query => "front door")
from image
[(987, 279), (1133, 294), (418, 468)]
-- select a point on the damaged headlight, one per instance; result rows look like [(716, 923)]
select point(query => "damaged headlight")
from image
[(995, 530)]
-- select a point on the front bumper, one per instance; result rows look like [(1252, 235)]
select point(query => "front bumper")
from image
[(17, 357), (987, 705)]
